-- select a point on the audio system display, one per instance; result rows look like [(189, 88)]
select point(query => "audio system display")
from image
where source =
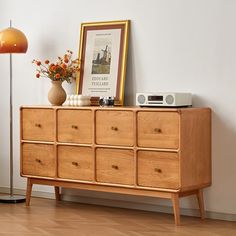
[(155, 98)]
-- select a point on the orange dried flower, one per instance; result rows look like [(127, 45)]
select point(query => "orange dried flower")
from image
[(57, 76), (52, 68), (38, 63), (66, 60), (46, 62), (37, 75), (64, 66)]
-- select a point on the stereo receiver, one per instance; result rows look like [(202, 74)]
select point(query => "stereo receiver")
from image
[(164, 99)]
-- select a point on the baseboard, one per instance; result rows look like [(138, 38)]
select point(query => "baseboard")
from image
[(147, 207), (125, 204), (41, 194)]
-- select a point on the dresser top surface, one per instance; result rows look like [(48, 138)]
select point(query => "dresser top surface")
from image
[(132, 108)]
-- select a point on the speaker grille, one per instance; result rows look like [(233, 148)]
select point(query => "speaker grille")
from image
[(141, 99), (169, 99)]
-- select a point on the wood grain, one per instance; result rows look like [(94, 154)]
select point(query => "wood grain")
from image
[(49, 218), (115, 166), (175, 202), (38, 124), (74, 126), (195, 147), (158, 129), (158, 169), (38, 159), (75, 162), (115, 128)]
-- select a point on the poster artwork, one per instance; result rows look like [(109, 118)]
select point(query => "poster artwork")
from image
[(101, 56)]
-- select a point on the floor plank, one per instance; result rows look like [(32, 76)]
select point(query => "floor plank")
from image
[(47, 217)]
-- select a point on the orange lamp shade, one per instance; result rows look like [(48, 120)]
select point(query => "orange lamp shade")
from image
[(13, 40)]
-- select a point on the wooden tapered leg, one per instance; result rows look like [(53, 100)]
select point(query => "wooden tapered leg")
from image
[(201, 203), (57, 193), (28, 191), (175, 202)]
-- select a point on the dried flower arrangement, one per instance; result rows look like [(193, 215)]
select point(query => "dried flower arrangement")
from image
[(64, 69)]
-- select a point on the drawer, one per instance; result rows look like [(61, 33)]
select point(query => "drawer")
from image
[(38, 124), (75, 163), (158, 169), (38, 160), (115, 128), (115, 166), (158, 129), (75, 126)]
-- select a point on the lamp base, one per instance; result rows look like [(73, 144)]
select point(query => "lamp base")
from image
[(12, 199)]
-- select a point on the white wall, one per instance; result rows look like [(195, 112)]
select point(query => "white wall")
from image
[(175, 45)]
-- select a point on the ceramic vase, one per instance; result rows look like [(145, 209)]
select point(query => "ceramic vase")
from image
[(57, 94)]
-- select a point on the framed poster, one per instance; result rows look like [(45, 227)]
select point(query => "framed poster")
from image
[(103, 54)]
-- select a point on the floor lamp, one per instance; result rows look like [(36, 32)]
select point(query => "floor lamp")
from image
[(12, 41)]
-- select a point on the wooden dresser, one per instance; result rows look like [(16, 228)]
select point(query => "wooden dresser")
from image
[(154, 152)]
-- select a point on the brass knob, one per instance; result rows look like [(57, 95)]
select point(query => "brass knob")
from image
[(74, 127), (74, 163), (157, 130), (38, 125), (114, 128), (158, 170), (38, 160), (115, 167)]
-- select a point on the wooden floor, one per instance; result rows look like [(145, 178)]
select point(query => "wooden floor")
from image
[(48, 217)]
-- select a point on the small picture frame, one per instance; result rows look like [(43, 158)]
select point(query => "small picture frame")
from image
[(103, 57)]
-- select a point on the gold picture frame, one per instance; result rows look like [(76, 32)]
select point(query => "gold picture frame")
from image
[(103, 57)]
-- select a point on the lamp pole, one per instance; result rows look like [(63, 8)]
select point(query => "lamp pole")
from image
[(11, 131), (11, 127)]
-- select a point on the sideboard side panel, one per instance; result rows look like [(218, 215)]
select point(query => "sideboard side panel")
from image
[(195, 148)]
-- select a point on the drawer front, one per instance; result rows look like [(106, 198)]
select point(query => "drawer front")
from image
[(115, 128), (158, 169), (38, 160), (115, 166), (158, 129), (75, 163), (75, 126), (38, 124)]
